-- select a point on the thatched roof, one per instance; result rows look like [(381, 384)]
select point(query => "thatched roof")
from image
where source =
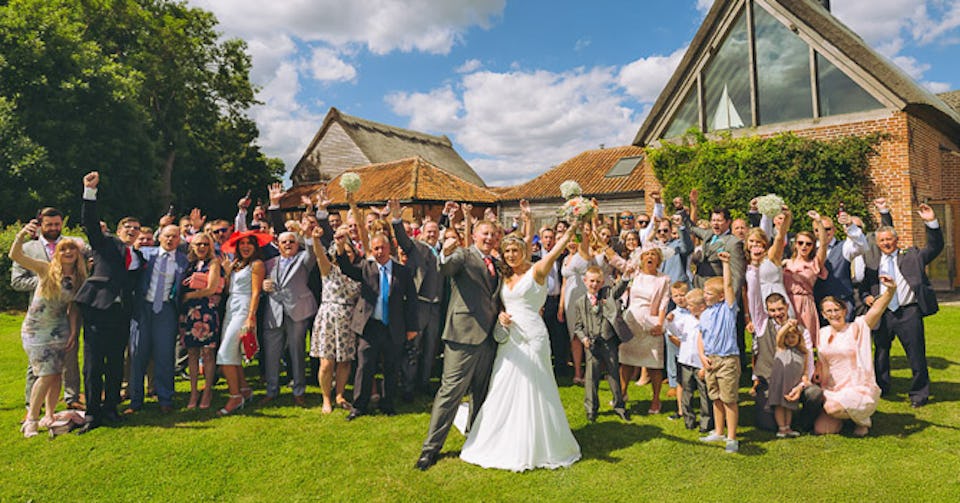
[(382, 143)]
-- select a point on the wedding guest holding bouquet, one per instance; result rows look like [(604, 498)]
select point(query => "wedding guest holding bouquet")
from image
[(199, 318), (52, 322)]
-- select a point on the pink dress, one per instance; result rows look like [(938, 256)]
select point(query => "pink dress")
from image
[(846, 372), (646, 293), (799, 277)]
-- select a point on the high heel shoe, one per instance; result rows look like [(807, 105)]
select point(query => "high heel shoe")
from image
[(226, 411), (247, 393)]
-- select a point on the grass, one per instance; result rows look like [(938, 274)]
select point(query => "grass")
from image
[(284, 453)]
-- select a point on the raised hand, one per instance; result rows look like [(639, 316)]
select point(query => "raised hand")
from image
[(165, 220), (888, 282), (525, 207), (694, 196), (844, 219), (489, 214), (317, 232), (276, 192), (393, 207), (926, 213), (881, 204), (306, 201), (30, 230), (678, 203), (724, 256), (450, 244), (197, 219), (755, 204), (91, 179), (655, 195), (814, 215), (323, 199)]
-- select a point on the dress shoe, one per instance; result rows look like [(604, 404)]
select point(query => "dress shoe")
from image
[(88, 427), (166, 409), (622, 414), (427, 459), (919, 403), (265, 400), (112, 416), (300, 401), (353, 415), (388, 412), (592, 418), (129, 411), (407, 396)]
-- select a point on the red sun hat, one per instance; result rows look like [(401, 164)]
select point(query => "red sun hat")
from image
[(230, 246)]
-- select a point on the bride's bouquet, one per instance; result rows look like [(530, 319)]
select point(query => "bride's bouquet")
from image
[(577, 208), (350, 182), (769, 205)]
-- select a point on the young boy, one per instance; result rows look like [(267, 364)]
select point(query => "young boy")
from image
[(683, 324), (600, 327), (720, 355)]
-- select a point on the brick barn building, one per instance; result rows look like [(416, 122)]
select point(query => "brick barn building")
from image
[(760, 67)]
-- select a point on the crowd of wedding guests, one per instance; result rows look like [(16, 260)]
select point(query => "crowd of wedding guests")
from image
[(360, 294)]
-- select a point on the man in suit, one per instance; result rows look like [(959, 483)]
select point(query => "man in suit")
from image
[(385, 316), (106, 301), (469, 346), (600, 327), (288, 313), (153, 332), (422, 260), (559, 338), (22, 280), (913, 301)]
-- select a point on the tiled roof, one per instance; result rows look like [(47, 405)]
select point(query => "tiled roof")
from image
[(589, 169), (411, 179)]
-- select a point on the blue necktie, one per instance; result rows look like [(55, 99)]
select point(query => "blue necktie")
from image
[(161, 282), (384, 294), (892, 272)]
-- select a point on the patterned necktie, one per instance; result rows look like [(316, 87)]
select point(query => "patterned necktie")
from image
[(891, 270), (490, 269), (158, 291), (384, 295), (51, 249), (593, 300)]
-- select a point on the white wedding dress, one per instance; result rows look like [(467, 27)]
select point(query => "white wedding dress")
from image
[(522, 424)]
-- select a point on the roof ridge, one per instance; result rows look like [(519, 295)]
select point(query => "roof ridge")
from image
[(387, 128)]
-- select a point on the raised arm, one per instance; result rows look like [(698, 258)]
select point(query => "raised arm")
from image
[(89, 216), (821, 257), (880, 305), (274, 213), (729, 292), (775, 253), (527, 221), (934, 244), (541, 268), (38, 267), (323, 261)]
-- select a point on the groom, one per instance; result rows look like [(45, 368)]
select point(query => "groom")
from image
[(469, 347)]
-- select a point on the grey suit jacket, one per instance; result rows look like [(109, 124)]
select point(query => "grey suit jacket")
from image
[(292, 294), (474, 297), (610, 324), (424, 264), (711, 265)]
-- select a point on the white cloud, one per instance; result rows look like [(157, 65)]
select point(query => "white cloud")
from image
[(326, 65), (911, 66), (937, 87), (645, 77), (470, 65), (285, 125), (581, 44), (515, 125), (704, 5)]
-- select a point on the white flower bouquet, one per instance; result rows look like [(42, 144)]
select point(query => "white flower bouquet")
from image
[(770, 205), (350, 182), (570, 189)]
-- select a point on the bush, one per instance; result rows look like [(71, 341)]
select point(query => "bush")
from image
[(808, 174)]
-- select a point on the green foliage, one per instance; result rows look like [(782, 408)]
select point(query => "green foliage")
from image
[(143, 91), (11, 299), (808, 174)]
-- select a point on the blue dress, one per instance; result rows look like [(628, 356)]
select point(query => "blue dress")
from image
[(238, 306)]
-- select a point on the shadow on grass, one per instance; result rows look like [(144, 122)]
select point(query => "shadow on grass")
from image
[(940, 391), (934, 362)]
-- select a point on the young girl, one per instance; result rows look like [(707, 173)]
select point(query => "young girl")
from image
[(788, 377)]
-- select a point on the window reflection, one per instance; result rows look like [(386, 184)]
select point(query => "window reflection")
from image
[(726, 81), (838, 93), (783, 71), (686, 116)]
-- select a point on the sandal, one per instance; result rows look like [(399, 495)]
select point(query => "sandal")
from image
[(226, 410), (247, 392), (29, 428), (327, 408), (192, 404), (343, 403)]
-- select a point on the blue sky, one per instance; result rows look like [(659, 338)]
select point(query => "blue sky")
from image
[(519, 86)]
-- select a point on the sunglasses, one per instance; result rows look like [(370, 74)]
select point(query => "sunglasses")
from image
[(663, 231), (828, 228), (626, 217), (804, 243), (642, 223), (221, 231), (201, 244)]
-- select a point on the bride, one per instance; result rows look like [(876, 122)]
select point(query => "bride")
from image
[(522, 424)]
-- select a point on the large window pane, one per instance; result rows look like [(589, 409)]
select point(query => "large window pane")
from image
[(686, 116), (783, 71), (838, 93), (727, 83)]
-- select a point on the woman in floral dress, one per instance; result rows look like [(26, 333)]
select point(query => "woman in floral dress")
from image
[(199, 319)]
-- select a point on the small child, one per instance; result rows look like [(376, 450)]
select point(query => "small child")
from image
[(683, 325), (720, 356), (788, 377)]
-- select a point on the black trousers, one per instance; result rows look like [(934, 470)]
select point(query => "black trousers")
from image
[(105, 336), (559, 337), (374, 343), (906, 323)]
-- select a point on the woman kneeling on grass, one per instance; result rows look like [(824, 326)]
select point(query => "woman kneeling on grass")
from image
[(50, 328), (845, 365)]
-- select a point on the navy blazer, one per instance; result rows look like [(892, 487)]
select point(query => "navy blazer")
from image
[(402, 306), (912, 263), (109, 279)]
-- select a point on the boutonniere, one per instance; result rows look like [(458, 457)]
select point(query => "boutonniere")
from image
[(902, 251)]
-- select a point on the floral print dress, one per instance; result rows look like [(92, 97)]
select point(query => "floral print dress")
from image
[(199, 319)]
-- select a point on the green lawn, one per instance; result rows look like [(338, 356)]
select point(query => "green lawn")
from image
[(283, 453)]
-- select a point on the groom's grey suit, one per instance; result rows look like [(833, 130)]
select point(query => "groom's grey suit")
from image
[(469, 347)]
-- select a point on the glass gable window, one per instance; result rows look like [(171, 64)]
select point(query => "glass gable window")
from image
[(624, 166), (838, 93), (783, 71), (687, 116), (727, 83)]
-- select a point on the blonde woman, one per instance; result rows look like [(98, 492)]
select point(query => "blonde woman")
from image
[(52, 323), (199, 318)]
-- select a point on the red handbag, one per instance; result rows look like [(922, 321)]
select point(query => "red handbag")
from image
[(248, 340)]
